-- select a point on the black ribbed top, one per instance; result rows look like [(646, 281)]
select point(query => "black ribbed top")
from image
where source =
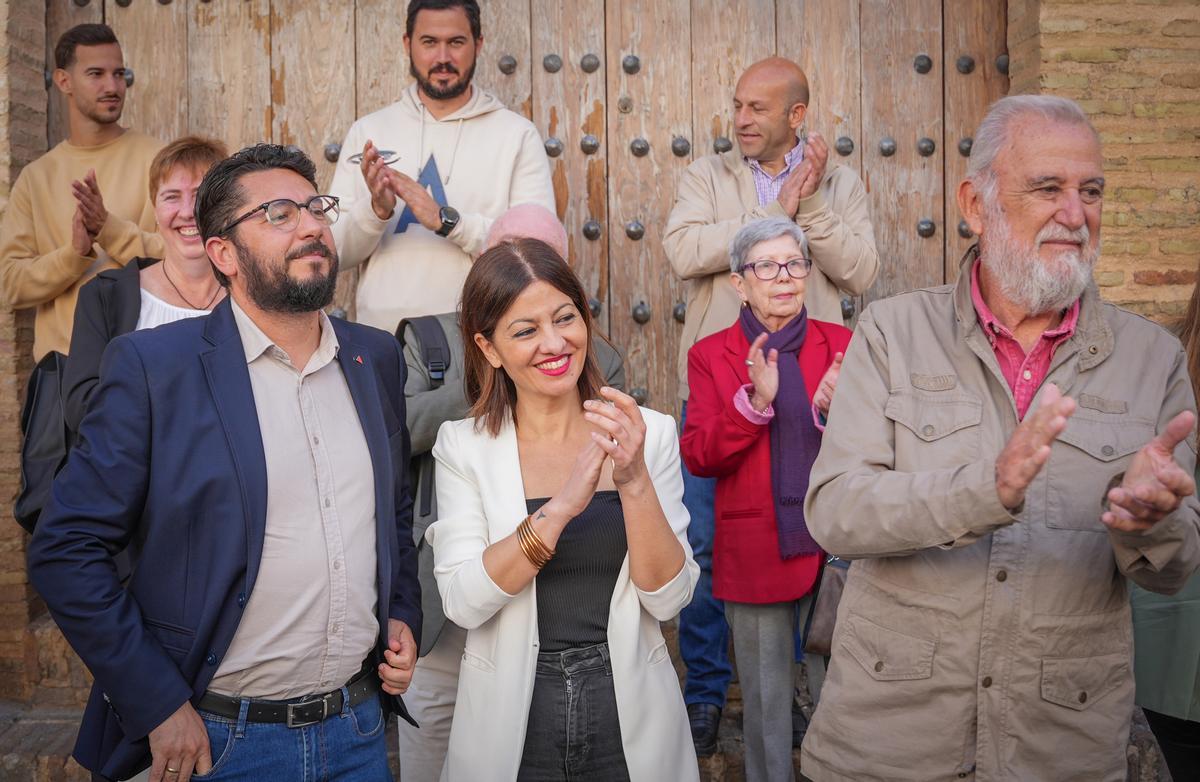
[(575, 588)]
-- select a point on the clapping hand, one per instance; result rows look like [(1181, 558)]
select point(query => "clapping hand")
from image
[(378, 176), (91, 203), (764, 373), (1154, 484), (1028, 448), (626, 433), (824, 395)]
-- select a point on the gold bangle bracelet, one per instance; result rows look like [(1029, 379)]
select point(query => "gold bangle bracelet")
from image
[(532, 546)]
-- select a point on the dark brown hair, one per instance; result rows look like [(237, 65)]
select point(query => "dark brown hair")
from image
[(80, 35), (495, 281), (192, 152)]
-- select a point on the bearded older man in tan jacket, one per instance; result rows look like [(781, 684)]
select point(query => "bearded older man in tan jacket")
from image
[(1003, 456), (772, 174)]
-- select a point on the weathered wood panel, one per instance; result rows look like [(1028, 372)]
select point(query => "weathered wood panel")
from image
[(977, 31), (506, 30), (60, 17), (154, 40), (904, 105), (568, 105), (652, 104), (229, 71), (823, 36), (312, 78), (381, 66), (724, 44)]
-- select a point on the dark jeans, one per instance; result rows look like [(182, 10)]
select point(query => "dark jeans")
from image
[(1179, 741), (703, 631), (573, 732)]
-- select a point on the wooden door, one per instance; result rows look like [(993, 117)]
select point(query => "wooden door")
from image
[(626, 93)]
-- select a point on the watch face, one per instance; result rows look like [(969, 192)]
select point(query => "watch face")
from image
[(449, 217)]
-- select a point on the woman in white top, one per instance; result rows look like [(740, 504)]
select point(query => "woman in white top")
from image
[(148, 292), (560, 546)]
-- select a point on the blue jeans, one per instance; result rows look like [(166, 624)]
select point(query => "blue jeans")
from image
[(703, 631), (347, 747)]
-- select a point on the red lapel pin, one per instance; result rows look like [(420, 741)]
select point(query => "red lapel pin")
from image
[(358, 359)]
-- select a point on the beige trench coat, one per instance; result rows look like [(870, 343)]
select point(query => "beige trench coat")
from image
[(973, 644), (716, 197)]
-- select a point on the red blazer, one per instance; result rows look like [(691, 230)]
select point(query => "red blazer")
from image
[(718, 442)]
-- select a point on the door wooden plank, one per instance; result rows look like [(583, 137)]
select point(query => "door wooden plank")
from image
[(653, 104), (569, 105), (823, 37), (60, 17), (506, 31), (900, 103), (154, 40), (229, 71), (381, 66), (977, 31), (312, 79), (724, 44)]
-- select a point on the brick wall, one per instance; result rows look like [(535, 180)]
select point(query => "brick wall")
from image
[(1134, 66), (22, 138)]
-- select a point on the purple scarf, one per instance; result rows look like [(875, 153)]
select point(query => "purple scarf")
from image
[(795, 439)]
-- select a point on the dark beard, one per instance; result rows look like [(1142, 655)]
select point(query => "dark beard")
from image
[(273, 290), (438, 93)]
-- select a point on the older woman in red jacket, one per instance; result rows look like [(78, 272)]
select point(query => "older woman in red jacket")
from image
[(758, 392)]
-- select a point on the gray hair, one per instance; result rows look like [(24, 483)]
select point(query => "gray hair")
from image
[(995, 131), (764, 230)]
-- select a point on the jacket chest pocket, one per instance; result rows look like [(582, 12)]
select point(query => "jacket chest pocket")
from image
[(935, 428), (1086, 456)]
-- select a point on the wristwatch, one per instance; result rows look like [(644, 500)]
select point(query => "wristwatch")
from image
[(449, 217)]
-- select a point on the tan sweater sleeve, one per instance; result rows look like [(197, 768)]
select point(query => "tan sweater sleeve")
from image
[(28, 278), (837, 221), (696, 242), (124, 240)]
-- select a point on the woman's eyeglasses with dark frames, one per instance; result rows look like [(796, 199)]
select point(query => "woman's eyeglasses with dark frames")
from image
[(797, 268), (284, 213)]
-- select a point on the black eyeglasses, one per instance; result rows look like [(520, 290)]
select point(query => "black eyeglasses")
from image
[(797, 268), (284, 213)]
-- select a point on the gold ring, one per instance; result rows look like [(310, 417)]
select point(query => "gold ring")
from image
[(172, 770)]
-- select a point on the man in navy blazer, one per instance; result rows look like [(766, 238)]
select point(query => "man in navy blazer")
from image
[(255, 461)]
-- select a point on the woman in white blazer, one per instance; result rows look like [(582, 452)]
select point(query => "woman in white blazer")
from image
[(561, 544)]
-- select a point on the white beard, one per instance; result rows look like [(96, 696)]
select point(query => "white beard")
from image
[(1029, 282)]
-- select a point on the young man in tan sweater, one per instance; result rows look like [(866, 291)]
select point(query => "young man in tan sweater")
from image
[(84, 206)]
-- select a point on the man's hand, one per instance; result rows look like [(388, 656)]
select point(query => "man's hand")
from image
[(179, 747), (81, 240), (827, 385), (1028, 448), (396, 670), (1154, 484), (91, 203), (378, 176), (806, 177), (424, 208)]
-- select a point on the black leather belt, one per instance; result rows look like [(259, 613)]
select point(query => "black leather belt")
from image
[(296, 714)]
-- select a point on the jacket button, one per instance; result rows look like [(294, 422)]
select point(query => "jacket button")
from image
[(879, 666), (1093, 350), (241, 599), (1083, 697), (1002, 575), (1107, 450), (927, 430), (987, 682), (962, 775), (211, 659)]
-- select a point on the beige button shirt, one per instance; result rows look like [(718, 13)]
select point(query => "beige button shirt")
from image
[(310, 620)]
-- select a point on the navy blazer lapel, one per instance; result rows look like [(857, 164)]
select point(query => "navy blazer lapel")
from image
[(359, 370), (229, 380)]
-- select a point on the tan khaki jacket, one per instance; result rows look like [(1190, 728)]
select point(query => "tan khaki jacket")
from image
[(972, 644), (716, 197)]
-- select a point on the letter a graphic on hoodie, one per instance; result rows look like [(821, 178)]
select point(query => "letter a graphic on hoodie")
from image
[(431, 180)]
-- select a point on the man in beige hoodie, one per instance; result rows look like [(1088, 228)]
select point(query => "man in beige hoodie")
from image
[(774, 173), (85, 205), (431, 172)]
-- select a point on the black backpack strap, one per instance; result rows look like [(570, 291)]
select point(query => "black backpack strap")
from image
[(435, 348)]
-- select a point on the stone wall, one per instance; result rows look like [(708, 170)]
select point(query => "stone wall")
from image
[(1134, 66)]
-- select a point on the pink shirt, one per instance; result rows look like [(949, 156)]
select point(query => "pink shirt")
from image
[(1024, 372)]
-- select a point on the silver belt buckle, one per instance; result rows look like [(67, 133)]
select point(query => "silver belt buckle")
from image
[(294, 722)]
